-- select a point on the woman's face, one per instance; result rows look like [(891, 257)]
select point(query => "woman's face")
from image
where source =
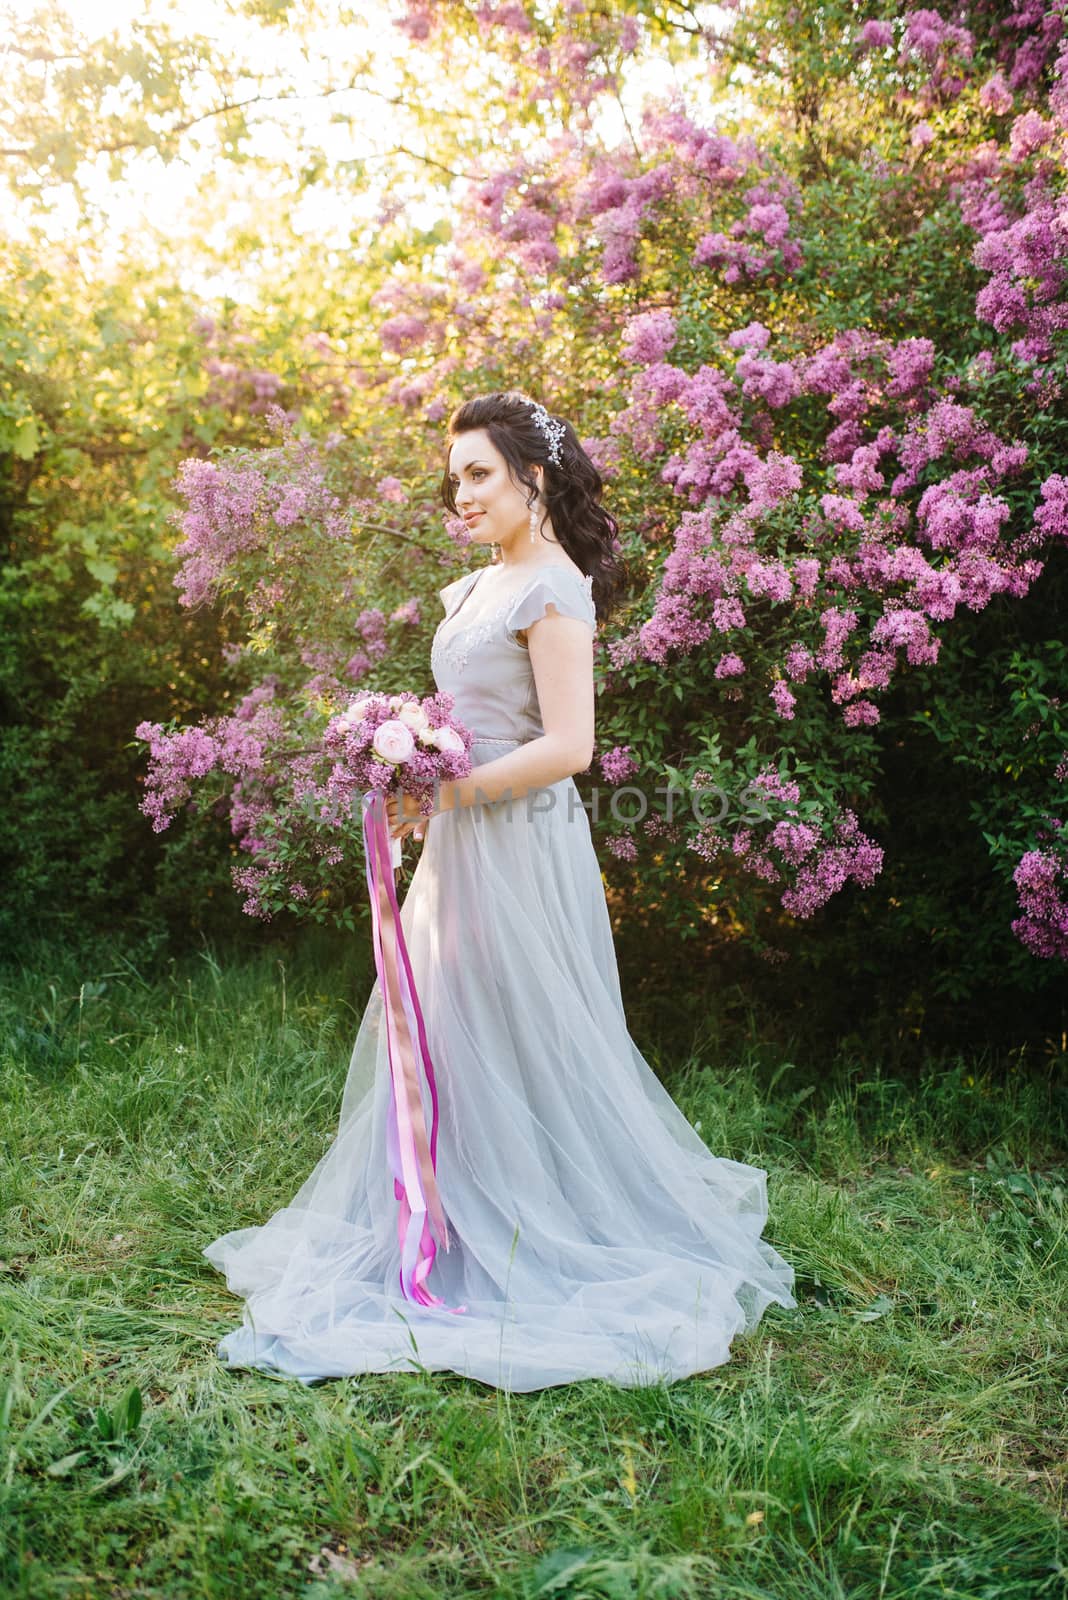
[(494, 508)]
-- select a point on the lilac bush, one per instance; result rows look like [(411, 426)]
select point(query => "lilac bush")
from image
[(822, 371)]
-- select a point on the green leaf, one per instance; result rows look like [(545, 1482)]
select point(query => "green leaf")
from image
[(101, 569), (131, 1408), (559, 1567), (27, 438)]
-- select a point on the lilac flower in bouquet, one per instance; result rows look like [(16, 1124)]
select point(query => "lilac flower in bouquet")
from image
[(390, 744)]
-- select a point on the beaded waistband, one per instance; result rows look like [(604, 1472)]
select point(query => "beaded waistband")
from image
[(479, 738)]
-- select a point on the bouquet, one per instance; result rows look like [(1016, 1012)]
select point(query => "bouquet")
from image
[(381, 744), (387, 744)]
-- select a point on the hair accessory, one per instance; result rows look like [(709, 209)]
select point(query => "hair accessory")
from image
[(554, 431)]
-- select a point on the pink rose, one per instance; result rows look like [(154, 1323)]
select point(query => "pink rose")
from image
[(393, 742), (346, 720), (448, 740), (413, 716)]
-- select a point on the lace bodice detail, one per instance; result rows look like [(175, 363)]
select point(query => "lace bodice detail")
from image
[(455, 650)]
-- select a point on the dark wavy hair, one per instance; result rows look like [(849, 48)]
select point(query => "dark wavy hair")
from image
[(572, 490)]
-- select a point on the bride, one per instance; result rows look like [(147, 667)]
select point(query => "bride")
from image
[(592, 1234)]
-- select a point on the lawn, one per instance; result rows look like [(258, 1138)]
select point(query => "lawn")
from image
[(896, 1434)]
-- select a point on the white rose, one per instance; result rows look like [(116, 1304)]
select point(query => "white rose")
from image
[(356, 710), (393, 742), (395, 702), (413, 716), (449, 740)]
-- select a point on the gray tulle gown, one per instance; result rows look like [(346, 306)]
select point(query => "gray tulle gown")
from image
[(593, 1234)]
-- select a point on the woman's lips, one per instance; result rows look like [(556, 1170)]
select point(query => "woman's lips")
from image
[(472, 520)]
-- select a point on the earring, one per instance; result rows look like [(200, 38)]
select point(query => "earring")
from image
[(533, 523)]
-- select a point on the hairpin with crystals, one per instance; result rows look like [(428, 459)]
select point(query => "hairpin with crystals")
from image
[(554, 431)]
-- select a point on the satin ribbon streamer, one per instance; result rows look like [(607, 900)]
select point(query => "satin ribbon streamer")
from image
[(412, 1159)]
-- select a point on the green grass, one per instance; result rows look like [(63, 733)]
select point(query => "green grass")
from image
[(894, 1435)]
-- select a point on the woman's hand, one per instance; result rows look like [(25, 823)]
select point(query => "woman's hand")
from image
[(405, 817)]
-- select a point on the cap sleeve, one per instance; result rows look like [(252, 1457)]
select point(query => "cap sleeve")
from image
[(571, 595)]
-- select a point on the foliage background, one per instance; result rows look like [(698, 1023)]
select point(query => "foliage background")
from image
[(363, 254)]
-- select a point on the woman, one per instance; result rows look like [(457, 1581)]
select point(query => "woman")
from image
[(592, 1233)]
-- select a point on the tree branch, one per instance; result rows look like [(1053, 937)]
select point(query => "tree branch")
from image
[(38, 54), (153, 141)]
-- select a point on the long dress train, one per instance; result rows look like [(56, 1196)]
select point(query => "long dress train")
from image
[(593, 1233)]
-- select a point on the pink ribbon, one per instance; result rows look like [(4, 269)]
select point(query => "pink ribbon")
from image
[(412, 1160)]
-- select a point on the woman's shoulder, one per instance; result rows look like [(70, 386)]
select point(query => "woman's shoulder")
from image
[(568, 567), (562, 584), (457, 586), (564, 577), (548, 569)]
